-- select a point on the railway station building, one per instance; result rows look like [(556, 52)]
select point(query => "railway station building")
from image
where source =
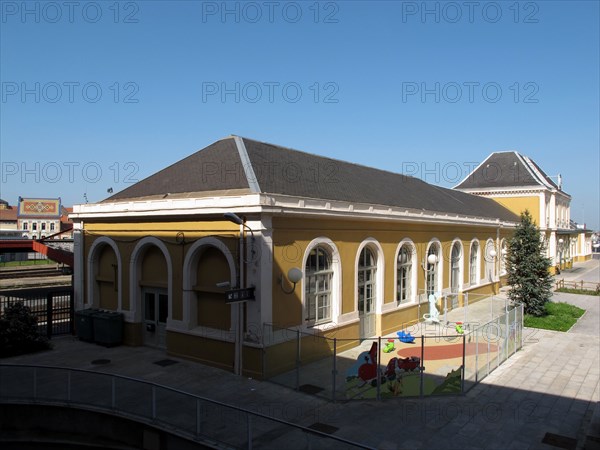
[(324, 246)]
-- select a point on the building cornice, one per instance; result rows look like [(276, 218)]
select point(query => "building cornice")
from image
[(274, 204)]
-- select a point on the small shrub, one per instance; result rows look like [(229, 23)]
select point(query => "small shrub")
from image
[(19, 331)]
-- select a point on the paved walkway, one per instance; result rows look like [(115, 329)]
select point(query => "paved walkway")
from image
[(551, 386)]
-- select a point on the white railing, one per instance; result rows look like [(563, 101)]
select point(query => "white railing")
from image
[(180, 413)]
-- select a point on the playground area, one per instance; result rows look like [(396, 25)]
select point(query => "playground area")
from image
[(447, 356)]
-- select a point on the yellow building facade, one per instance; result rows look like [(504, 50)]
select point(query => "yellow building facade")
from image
[(166, 253), (519, 184)]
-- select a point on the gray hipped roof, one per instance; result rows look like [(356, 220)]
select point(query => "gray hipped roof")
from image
[(236, 163), (507, 169)]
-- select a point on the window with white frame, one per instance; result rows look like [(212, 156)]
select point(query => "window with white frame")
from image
[(455, 261), (503, 254), (318, 280), (432, 269), (25, 226), (404, 275), (474, 263), (489, 260), (367, 269)]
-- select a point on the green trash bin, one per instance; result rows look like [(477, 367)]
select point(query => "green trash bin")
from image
[(84, 324), (108, 328)]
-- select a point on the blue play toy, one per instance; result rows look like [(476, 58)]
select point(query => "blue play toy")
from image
[(407, 338)]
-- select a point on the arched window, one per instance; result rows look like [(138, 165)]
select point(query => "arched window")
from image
[(455, 260), (489, 260), (404, 275), (432, 269), (318, 283), (367, 292), (503, 254), (474, 264)]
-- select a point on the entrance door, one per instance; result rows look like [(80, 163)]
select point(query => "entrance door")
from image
[(156, 311), (367, 269)]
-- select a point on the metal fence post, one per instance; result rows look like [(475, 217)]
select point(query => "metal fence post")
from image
[(334, 371), (113, 388), (522, 323), (264, 352), (377, 371), (198, 418), (422, 368), (506, 338), (476, 355), (466, 306), (497, 347), (153, 402), (249, 419), (35, 383), (464, 368), (488, 347), (49, 315), (72, 311), (297, 360)]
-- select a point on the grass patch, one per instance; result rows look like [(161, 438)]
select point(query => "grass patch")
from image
[(579, 291), (559, 317), (30, 262)]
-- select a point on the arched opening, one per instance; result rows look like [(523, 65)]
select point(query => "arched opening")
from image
[(367, 292), (433, 279), (474, 264), (106, 279), (153, 284), (318, 285), (208, 271), (212, 270), (490, 271), (405, 273), (455, 272)]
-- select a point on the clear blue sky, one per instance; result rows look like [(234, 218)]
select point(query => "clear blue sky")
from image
[(98, 94)]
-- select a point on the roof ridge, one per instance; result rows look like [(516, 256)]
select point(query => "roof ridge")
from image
[(247, 164), (333, 159)]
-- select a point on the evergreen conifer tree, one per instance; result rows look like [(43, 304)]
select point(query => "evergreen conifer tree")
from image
[(529, 276)]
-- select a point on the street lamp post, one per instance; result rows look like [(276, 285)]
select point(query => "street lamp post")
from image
[(239, 320)]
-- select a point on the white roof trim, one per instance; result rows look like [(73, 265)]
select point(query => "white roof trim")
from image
[(284, 205), (273, 204), (474, 170), (247, 165), (534, 171)]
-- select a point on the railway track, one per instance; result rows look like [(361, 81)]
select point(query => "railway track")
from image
[(8, 274)]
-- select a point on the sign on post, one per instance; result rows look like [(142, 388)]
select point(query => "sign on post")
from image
[(239, 295)]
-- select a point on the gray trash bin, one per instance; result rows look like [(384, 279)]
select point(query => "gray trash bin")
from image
[(108, 328), (84, 324)]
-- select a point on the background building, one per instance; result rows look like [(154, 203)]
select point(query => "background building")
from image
[(518, 183), (40, 218)]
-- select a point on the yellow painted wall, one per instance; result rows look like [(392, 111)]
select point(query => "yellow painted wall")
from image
[(213, 312), (292, 236), (207, 351), (520, 204), (154, 268), (106, 279), (127, 234)]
